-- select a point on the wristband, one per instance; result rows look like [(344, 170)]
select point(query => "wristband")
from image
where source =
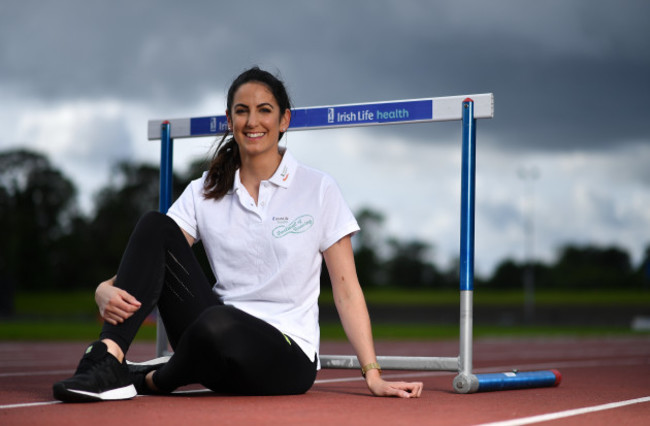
[(368, 367)]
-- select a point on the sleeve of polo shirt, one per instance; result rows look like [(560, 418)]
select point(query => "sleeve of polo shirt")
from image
[(183, 211), (338, 220)]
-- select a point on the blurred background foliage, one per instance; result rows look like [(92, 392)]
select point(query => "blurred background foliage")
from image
[(48, 244)]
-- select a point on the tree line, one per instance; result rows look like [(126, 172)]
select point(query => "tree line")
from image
[(48, 243)]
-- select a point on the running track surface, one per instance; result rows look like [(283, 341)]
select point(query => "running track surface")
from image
[(605, 381)]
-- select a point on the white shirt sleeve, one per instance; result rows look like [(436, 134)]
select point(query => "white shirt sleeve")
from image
[(338, 218), (183, 211)]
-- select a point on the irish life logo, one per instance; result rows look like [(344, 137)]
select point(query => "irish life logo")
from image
[(330, 115), (296, 226), (383, 112)]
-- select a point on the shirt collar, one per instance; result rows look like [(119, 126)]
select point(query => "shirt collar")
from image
[(286, 170), (282, 176)]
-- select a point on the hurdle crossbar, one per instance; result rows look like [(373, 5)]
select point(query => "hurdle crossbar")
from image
[(340, 116), (465, 108)]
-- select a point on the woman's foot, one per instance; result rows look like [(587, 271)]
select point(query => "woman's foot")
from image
[(141, 375), (100, 376)]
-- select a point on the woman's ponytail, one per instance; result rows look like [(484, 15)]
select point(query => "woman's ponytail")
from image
[(221, 174)]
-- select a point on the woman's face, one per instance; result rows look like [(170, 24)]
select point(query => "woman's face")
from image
[(255, 119)]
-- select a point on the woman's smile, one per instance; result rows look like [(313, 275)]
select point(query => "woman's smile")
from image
[(255, 135)]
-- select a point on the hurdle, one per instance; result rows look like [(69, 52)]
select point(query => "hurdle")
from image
[(467, 109)]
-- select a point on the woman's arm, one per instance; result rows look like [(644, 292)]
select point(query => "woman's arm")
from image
[(351, 306)]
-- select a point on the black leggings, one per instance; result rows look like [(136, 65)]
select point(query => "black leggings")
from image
[(218, 346)]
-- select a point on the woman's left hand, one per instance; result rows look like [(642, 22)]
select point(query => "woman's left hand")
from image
[(380, 387)]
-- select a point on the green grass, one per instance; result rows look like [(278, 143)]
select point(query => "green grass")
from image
[(89, 330), (61, 330), (446, 332), (82, 303), (484, 297), (50, 304), (73, 316)]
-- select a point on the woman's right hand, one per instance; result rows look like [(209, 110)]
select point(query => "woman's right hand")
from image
[(115, 305)]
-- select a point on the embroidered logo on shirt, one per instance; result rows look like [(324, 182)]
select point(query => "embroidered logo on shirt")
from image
[(296, 226), (285, 173)]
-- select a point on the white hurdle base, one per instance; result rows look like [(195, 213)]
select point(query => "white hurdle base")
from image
[(393, 362)]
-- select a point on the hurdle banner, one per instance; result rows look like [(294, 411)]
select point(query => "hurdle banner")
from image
[(338, 116), (468, 109)]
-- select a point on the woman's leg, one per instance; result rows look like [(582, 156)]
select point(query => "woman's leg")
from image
[(159, 268), (230, 351)]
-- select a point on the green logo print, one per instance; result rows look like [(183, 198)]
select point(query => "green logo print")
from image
[(296, 226)]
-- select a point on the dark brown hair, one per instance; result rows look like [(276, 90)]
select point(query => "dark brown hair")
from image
[(226, 160)]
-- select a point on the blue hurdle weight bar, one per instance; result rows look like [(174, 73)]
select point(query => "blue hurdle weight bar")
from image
[(452, 108)]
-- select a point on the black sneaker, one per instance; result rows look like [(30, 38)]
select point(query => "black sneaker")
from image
[(139, 370), (99, 377)]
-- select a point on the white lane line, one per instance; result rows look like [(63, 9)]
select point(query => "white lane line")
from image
[(193, 391), (29, 404), (36, 373), (567, 413), (573, 364)]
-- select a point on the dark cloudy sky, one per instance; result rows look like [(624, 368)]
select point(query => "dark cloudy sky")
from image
[(79, 80)]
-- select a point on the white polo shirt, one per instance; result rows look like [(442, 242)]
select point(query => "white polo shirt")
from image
[(267, 257)]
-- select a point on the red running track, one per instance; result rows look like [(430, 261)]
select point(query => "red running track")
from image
[(605, 381)]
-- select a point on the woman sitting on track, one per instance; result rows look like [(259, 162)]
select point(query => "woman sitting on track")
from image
[(266, 222)]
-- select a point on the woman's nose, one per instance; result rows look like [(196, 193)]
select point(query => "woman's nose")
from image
[(252, 120)]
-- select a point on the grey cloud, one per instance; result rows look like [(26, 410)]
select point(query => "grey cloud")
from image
[(564, 74)]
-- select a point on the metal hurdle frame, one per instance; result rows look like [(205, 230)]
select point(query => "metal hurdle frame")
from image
[(466, 108)]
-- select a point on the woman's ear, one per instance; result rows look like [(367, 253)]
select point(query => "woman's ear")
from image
[(285, 120)]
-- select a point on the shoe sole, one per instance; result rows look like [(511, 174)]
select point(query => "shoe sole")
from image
[(74, 395), (156, 361)]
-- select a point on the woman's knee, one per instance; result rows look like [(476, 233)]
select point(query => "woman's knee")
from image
[(156, 224), (214, 326), (153, 220)]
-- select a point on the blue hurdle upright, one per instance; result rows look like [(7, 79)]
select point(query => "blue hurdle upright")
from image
[(452, 108)]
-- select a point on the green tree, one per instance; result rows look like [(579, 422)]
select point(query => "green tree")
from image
[(367, 242), (509, 274), (408, 267), (643, 271), (37, 208), (592, 267), (132, 191)]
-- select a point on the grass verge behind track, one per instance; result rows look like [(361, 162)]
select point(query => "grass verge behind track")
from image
[(73, 315), (89, 330)]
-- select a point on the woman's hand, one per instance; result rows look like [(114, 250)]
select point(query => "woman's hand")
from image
[(380, 387), (115, 305)]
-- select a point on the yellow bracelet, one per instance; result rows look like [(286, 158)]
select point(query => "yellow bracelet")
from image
[(368, 367)]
